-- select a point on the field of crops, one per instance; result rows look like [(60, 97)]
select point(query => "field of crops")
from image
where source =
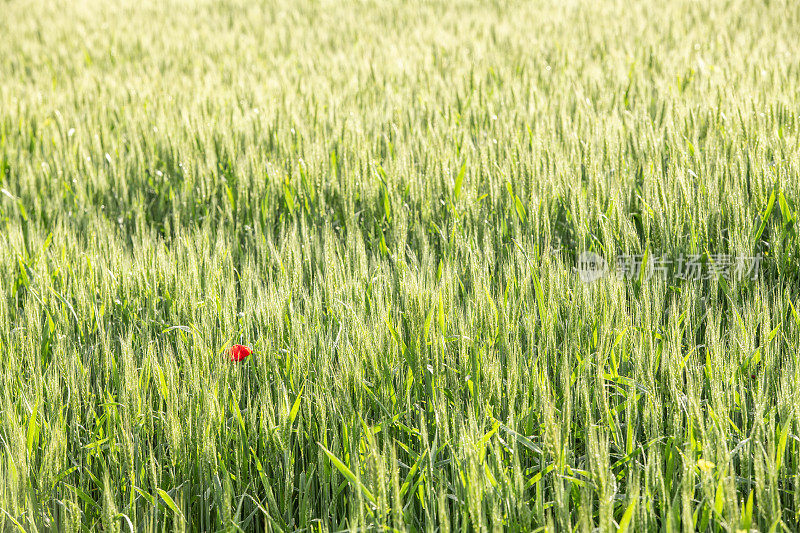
[(390, 205)]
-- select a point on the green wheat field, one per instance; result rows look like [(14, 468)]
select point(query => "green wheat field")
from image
[(388, 203)]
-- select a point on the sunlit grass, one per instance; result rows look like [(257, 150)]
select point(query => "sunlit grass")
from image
[(386, 203)]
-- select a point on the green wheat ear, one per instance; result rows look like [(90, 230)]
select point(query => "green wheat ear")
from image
[(395, 206)]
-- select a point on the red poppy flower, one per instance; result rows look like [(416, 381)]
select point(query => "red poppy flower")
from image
[(239, 353)]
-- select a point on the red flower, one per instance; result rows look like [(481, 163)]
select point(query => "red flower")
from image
[(239, 352)]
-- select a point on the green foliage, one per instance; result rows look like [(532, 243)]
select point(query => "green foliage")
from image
[(386, 201)]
